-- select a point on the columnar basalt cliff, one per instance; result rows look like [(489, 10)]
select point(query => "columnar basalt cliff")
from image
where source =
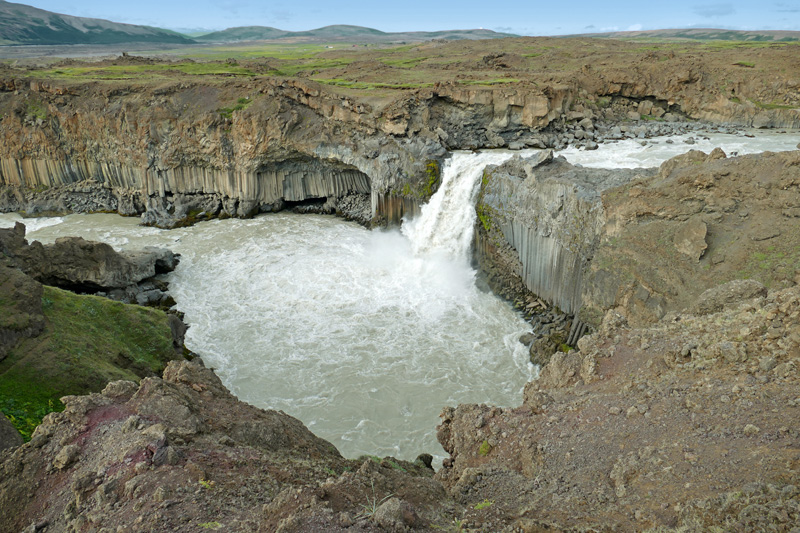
[(185, 147), (645, 241)]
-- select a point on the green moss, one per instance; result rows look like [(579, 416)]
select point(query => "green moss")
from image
[(433, 173), (88, 341), (485, 448), (35, 110), (241, 103)]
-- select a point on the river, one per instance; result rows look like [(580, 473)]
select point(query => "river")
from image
[(362, 335)]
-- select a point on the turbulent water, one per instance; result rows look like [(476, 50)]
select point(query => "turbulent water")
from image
[(630, 154), (364, 336)]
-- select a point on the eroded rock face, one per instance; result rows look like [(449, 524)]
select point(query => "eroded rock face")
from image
[(9, 436), (22, 298), (638, 417), (179, 452)]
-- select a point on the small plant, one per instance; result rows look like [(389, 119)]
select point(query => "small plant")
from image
[(485, 448), (241, 103), (483, 505), (210, 525), (206, 484), (747, 64), (36, 110), (373, 503)]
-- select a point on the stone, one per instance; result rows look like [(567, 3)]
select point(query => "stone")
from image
[(767, 363), (65, 457), (717, 298), (394, 514), (751, 430), (9, 436), (764, 234), (690, 239)]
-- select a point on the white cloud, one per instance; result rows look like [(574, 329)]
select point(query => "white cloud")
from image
[(634, 27), (714, 10)]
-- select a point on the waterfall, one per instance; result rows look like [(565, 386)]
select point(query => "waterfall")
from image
[(445, 224)]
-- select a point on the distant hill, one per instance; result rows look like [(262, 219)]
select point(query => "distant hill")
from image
[(21, 24), (700, 34), (342, 33)]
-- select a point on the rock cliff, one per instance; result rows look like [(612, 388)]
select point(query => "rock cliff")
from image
[(187, 148), (645, 242)]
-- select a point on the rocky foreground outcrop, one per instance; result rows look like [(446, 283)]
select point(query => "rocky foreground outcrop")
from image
[(182, 453), (688, 425), (692, 422)]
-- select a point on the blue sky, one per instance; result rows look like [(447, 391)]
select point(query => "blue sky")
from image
[(531, 17)]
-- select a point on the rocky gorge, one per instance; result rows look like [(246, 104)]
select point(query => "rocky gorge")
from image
[(686, 382)]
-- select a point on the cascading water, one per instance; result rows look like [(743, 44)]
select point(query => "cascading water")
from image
[(363, 335), (446, 223)]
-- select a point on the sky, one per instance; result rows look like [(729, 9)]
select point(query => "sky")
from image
[(528, 17)]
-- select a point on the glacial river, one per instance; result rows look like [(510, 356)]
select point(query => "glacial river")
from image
[(362, 335)]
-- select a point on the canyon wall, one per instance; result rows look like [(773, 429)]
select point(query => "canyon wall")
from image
[(645, 242), (253, 144)]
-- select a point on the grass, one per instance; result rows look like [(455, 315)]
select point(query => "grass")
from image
[(88, 341), (121, 72), (371, 507), (227, 112), (483, 505), (339, 82)]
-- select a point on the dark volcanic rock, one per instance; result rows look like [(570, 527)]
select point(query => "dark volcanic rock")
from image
[(22, 299), (9, 436), (77, 264)]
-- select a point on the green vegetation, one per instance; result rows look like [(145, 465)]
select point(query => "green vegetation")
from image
[(210, 525), (35, 110), (748, 64), (88, 341), (227, 112), (485, 448), (373, 502), (425, 189), (155, 70), (772, 263), (483, 505)]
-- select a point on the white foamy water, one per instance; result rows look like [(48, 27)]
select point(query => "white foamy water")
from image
[(445, 224), (344, 328), (629, 153)]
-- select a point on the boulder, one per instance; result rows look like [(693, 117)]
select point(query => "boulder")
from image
[(690, 239), (9, 436), (717, 298)]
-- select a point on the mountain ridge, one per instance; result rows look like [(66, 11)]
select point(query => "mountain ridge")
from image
[(21, 24), (699, 34), (342, 32)]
